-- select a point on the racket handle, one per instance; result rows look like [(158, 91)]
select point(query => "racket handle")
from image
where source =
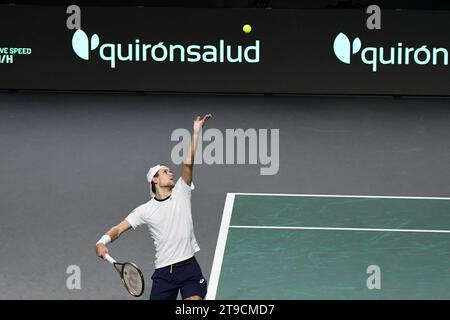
[(109, 259)]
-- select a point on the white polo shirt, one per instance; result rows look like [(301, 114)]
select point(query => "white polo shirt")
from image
[(169, 222)]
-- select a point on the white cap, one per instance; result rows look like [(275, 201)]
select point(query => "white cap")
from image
[(151, 173)]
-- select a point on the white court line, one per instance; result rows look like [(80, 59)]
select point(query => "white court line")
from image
[(338, 196), (340, 229), (220, 248)]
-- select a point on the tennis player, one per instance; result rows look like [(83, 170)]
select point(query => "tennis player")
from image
[(169, 220)]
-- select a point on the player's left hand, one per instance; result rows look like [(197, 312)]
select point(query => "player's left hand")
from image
[(199, 122)]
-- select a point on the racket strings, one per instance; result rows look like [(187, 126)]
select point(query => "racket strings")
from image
[(133, 279)]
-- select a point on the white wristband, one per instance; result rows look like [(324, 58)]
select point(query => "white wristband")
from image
[(105, 239)]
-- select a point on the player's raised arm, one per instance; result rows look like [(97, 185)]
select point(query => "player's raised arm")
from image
[(189, 161), (110, 236)]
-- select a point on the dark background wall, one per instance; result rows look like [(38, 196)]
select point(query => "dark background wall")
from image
[(283, 4)]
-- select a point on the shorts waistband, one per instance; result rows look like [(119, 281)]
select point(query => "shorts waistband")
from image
[(182, 263)]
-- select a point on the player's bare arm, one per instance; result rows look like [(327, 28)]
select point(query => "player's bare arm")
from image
[(189, 161), (113, 234)]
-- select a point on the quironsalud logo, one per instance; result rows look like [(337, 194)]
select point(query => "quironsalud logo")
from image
[(344, 49), (81, 43), (219, 52)]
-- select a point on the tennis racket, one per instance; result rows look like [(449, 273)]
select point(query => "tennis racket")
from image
[(131, 276)]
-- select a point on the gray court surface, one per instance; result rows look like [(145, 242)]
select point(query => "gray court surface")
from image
[(74, 164)]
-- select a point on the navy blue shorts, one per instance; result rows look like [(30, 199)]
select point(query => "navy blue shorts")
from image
[(187, 278)]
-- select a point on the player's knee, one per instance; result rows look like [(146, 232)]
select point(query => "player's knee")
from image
[(193, 298)]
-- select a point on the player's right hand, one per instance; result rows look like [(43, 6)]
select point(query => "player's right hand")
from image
[(101, 250)]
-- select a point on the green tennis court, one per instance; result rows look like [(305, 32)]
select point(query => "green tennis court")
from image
[(332, 247)]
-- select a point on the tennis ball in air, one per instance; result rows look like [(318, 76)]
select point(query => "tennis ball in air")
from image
[(247, 28)]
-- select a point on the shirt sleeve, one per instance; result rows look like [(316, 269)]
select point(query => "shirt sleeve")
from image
[(183, 187), (135, 218)]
